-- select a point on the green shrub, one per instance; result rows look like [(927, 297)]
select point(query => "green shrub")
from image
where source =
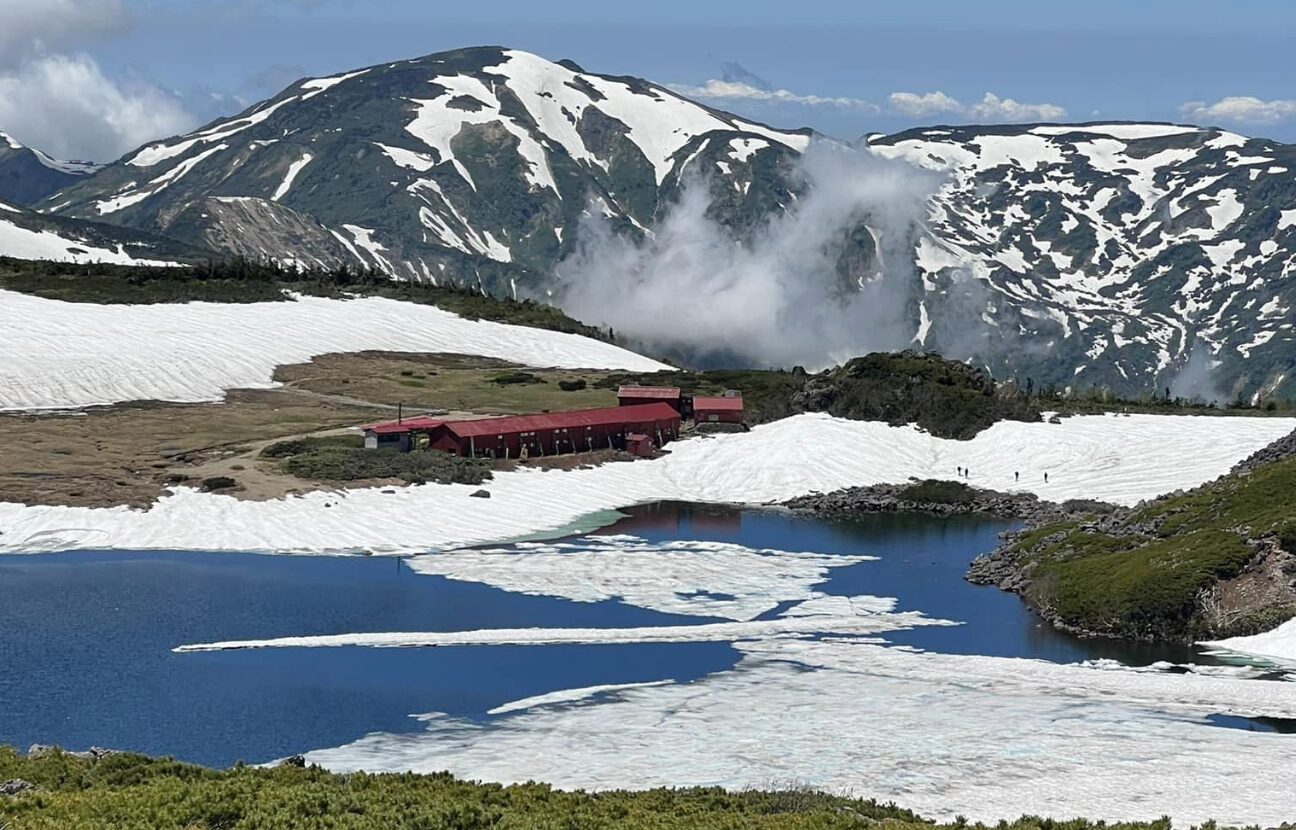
[(509, 378), (338, 464), (935, 491), (296, 446), (132, 792), (1106, 584), (572, 385)]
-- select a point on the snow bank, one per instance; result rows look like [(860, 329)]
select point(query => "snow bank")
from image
[(942, 734), (65, 355), (25, 243), (1278, 645), (1118, 459)]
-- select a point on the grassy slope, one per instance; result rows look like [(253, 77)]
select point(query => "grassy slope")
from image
[(129, 792), (1143, 578)]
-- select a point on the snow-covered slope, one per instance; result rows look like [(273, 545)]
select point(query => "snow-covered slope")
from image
[(64, 355), (27, 175), (1107, 251), (1278, 644), (465, 165), (1119, 459), (25, 234)]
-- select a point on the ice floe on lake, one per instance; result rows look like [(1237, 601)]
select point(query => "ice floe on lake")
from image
[(706, 579), (62, 355), (1113, 458), (986, 737)]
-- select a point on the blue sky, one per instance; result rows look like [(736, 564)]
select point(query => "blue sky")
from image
[(844, 68)]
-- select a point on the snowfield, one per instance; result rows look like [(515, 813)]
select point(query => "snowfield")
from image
[(1278, 644), (25, 243), (1113, 458), (68, 355)]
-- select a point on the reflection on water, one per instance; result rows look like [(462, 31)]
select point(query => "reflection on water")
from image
[(922, 560)]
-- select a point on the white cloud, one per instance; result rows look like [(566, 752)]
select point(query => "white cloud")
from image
[(35, 27), (991, 108), (739, 90), (919, 106), (65, 106), (1242, 108)]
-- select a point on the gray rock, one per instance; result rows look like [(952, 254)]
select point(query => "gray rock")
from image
[(480, 494), (14, 786)]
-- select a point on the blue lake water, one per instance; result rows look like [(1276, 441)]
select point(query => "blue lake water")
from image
[(86, 637)]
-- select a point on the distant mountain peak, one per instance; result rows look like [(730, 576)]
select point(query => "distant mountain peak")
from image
[(27, 175), (1104, 253)]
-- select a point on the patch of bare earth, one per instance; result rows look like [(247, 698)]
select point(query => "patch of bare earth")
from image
[(129, 454)]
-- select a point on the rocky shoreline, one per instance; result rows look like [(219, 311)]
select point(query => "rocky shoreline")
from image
[(944, 498)]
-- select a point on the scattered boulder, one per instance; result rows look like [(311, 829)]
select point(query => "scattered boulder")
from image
[(293, 761), (1282, 448), (14, 786), (480, 494)]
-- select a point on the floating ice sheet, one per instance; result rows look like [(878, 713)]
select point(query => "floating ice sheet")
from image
[(981, 736), (707, 579)]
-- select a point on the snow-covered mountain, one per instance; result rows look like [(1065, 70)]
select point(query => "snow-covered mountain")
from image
[(27, 175), (1118, 255), (1109, 251), (25, 234), (471, 165)]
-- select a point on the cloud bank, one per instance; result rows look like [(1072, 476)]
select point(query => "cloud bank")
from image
[(737, 83), (746, 91), (781, 296), (61, 102), (990, 108), (65, 106), (1242, 109)]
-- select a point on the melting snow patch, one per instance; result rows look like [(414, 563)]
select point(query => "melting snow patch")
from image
[(1118, 459), (65, 355), (942, 734)]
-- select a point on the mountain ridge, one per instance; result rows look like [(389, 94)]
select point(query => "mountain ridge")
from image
[(1126, 255)]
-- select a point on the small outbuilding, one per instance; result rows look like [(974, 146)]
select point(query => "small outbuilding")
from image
[(640, 445), (727, 409), (638, 395), (396, 435)]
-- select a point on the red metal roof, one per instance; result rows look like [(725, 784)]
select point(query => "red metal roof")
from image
[(665, 393), (607, 416), (718, 404), (406, 425)]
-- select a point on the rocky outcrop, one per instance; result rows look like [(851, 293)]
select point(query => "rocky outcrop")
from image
[(1284, 447), (14, 786), (943, 498)]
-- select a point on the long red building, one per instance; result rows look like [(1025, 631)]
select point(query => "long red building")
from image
[(519, 436)]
